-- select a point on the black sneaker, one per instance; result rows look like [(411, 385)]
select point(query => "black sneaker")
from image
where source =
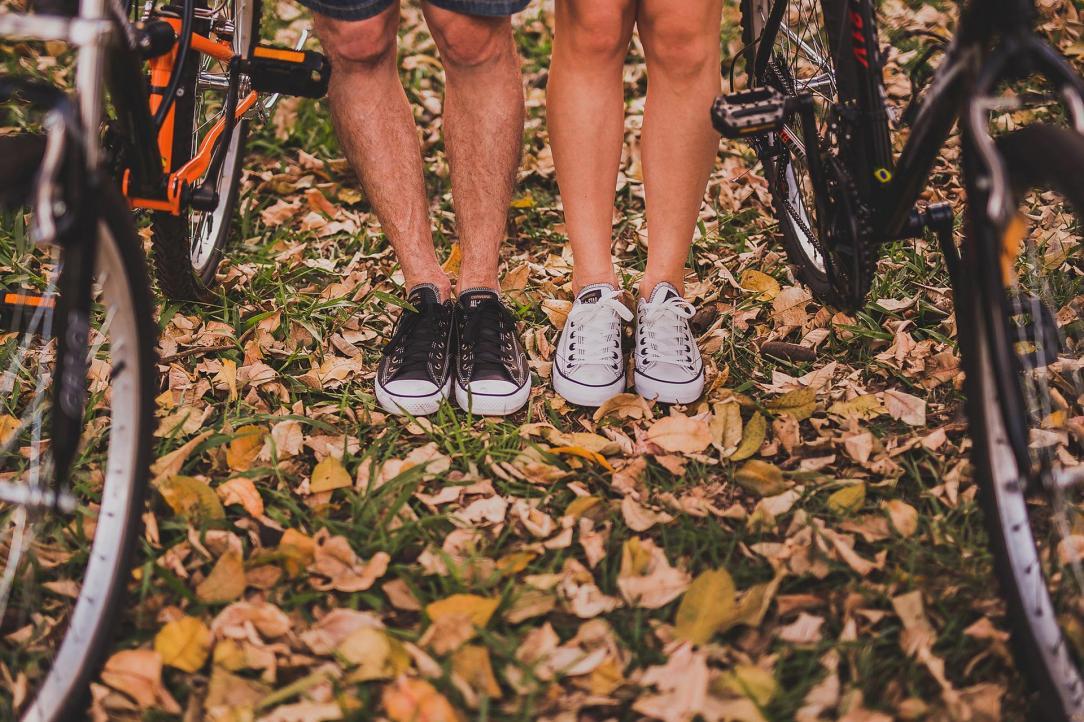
[(415, 372), (491, 373)]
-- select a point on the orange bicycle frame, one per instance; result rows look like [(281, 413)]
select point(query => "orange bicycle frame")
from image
[(177, 179)]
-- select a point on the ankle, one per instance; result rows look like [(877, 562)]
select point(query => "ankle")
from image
[(581, 281), (475, 284), (648, 284), (437, 280)]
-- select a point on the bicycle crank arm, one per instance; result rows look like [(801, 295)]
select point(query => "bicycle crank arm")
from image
[(37, 497)]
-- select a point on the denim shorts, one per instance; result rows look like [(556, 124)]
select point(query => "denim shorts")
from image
[(361, 9)]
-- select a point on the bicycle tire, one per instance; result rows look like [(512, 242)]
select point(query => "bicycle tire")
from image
[(1038, 156), (779, 168), (189, 248), (122, 277)]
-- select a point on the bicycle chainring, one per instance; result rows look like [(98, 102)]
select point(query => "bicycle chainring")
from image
[(851, 255)]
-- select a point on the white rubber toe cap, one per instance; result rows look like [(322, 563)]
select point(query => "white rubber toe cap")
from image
[(416, 397), (492, 398)]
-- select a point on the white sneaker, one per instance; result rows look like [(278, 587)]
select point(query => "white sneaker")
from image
[(668, 364), (588, 368)]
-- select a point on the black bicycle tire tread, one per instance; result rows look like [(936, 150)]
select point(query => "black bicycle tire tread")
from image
[(1034, 156), (117, 216)]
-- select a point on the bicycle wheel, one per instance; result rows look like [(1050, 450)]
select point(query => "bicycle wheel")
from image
[(62, 575), (1022, 337), (800, 60), (188, 248)]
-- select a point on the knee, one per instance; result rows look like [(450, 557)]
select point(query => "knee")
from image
[(359, 43), (467, 41), (681, 52), (598, 33)]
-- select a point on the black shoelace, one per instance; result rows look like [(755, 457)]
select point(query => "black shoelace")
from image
[(485, 334), (417, 337)]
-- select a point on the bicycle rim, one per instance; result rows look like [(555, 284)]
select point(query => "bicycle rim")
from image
[(1030, 414), (232, 19), (61, 575)]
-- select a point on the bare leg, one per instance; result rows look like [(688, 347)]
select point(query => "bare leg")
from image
[(483, 132), (376, 129), (586, 109), (681, 42)]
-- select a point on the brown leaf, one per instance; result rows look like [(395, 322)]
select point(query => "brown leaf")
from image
[(241, 490), (335, 561), (680, 434), (761, 478), (903, 516), (646, 578), (226, 581), (408, 699), (909, 409)]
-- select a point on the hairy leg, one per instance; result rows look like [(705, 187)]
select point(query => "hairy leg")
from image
[(679, 145), (483, 132), (376, 128), (586, 111)]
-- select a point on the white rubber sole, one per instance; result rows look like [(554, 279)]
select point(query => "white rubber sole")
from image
[(492, 404), (412, 405), (667, 393), (582, 395)]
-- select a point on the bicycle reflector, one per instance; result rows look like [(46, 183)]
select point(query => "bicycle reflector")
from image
[(290, 72), (22, 310)]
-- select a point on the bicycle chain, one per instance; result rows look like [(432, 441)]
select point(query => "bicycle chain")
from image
[(851, 266)]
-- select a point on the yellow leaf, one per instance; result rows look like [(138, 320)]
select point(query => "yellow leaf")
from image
[(516, 562), (471, 662), (680, 434), (705, 606), (376, 654), (184, 643), (245, 447), (171, 463), (848, 500), (409, 699), (753, 604), (474, 609), (580, 505), (455, 257), (583, 454), (751, 438), (747, 680), (753, 280), (241, 490), (903, 516), (226, 581), (296, 550), (190, 498), (800, 403), (8, 424), (524, 201), (866, 406), (761, 477), (329, 474)]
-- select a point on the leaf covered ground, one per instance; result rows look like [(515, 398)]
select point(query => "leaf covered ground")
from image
[(802, 543)]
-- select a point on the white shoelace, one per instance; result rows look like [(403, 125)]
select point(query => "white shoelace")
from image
[(595, 333), (666, 332)]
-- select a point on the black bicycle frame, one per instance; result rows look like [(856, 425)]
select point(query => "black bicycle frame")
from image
[(972, 68)]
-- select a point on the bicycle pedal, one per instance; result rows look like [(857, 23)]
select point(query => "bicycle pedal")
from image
[(749, 113), (303, 73)]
